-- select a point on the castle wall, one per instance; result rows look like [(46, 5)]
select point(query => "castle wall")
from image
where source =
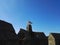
[(25, 37), (7, 34)]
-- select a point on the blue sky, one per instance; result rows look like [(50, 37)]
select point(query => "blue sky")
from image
[(44, 14)]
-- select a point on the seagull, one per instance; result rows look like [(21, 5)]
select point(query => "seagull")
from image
[(29, 22)]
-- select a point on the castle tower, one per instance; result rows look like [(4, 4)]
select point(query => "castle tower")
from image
[(29, 26)]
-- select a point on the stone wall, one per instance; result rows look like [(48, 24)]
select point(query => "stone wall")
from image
[(7, 34), (24, 37)]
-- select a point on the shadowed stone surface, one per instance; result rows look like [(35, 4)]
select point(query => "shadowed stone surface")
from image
[(25, 37), (7, 34), (37, 38), (28, 37)]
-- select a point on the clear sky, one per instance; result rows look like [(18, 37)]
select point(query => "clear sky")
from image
[(44, 14)]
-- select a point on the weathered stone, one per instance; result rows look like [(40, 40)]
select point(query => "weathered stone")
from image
[(29, 27), (29, 37), (7, 34), (7, 31), (40, 38), (22, 33), (54, 39)]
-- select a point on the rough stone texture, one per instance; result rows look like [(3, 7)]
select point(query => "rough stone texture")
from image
[(41, 38), (22, 33), (37, 38), (7, 31), (29, 37), (7, 34), (54, 39), (25, 37)]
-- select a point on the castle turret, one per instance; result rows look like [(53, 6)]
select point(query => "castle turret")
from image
[(29, 26)]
